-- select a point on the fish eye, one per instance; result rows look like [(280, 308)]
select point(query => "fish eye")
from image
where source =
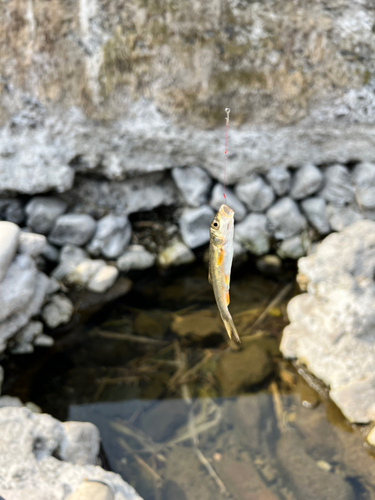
[(215, 224)]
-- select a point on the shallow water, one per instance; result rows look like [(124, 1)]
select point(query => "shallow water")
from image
[(183, 417)]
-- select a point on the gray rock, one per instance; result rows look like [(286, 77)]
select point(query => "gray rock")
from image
[(11, 209), (306, 181), (193, 183), (27, 453), (113, 234), (280, 180), (32, 244), (9, 238), (332, 326), (294, 247), (315, 210), (81, 443), (51, 253), (340, 217), (42, 213), (135, 257), (25, 337), (195, 225), (252, 234), (17, 287), (175, 254), (76, 229), (217, 199), (364, 181), (70, 257), (19, 319), (58, 311), (256, 194), (285, 219), (103, 279), (337, 189), (99, 197)]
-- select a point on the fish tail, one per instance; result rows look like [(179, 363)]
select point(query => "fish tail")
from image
[(231, 329)]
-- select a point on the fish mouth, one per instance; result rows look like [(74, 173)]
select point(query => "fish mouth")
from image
[(226, 211)]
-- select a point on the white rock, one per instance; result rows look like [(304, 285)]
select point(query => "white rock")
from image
[(32, 244), (252, 234), (135, 257), (371, 437), (337, 188), (70, 257), (20, 318), (255, 193), (17, 287), (364, 181), (332, 326), (195, 225), (44, 340), (280, 180), (76, 229), (315, 210), (103, 279), (193, 183), (285, 219), (176, 254), (28, 469), (89, 490), (10, 401), (217, 199), (58, 311), (112, 235), (84, 271), (25, 337), (306, 181), (81, 443), (9, 238), (42, 212)]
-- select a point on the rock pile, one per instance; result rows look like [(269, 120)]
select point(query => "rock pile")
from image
[(44, 459), (332, 328)]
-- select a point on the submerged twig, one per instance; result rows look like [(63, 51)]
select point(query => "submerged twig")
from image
[(278, 405), (274, 303), (131, 338), (155, 476)]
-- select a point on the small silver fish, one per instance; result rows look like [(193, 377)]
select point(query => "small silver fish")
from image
[(220, 264)]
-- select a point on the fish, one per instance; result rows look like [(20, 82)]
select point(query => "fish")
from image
[(220, 264)]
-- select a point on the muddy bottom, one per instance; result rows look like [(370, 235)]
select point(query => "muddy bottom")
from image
[(183, 416)]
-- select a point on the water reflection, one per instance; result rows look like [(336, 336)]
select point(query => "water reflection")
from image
[(262, 446)]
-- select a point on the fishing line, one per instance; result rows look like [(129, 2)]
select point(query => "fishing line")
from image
[(227, 110)]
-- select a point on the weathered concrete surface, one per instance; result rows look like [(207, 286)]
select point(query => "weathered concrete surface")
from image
[(122, 90)]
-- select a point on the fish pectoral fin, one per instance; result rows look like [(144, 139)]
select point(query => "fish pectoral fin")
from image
[(209, 277), (227, 299)]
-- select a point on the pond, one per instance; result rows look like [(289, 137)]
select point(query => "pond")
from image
[(183, 416)]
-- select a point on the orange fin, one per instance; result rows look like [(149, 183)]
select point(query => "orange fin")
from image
[(228, 299)]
